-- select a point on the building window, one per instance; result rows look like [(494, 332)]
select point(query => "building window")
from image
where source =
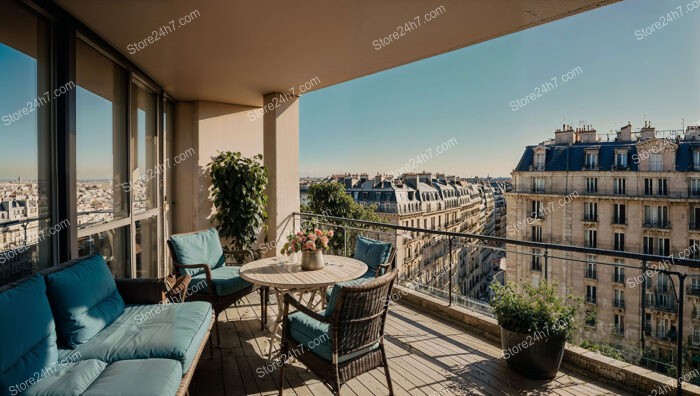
[(694, 187), (696, 160), (590, 270), (591, 160), (619, 243), (537, 212), (536, 233), (619, 186), (656, 216), (536, 263), (619, 272), (618, 298), (648, 186), (591, 185), (619, 214), (694, 249), (590, 294), (538, 184), (539, 160), (656, 162), (591, 238), (664, 247), (648, 245), (590, 211), (696, 335), (621, 159), (619, 324), (662, 283), (662, 186)]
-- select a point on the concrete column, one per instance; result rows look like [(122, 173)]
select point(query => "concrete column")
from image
[(281, 157)]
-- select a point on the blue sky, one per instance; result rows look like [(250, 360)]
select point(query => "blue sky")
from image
[(379, 122)]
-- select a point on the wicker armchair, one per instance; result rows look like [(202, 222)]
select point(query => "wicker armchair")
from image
[(352, 333), (219, 301)]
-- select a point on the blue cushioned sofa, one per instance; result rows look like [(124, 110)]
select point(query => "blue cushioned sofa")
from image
[(74, 330)]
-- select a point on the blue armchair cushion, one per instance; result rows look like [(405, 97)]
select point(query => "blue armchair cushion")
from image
[(332, 298), (199, 248), (166, 331), (84, 299), (315, 337), (150, 377), (68, 378), (227, 280), (27, 335), (372, 252), (368, 276)]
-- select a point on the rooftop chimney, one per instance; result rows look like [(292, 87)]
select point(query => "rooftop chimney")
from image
[(625, 134), (587, 134), (648, 131), (565, 135)]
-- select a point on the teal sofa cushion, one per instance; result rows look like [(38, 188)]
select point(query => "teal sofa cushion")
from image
[(372, 252), (84, 299), (227, 280), (166, 331), (27, 335), (315, 337), (68, 379), (151, 377), (331, 299), (199, 248)]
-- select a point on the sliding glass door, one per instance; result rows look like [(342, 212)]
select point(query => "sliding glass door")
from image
[(27, 223), (146, 177)]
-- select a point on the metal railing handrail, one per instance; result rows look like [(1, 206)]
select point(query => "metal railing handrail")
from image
[(541, 245)]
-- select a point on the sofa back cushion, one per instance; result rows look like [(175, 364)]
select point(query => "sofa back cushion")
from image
[(84, 299), (372, 252), (27, 335), (202, 247)]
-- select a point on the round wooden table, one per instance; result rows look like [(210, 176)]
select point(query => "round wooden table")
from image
[(284, 276)]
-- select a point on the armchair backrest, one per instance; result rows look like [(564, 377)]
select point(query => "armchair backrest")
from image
[(199, 247), (373, 252), (357, 322)]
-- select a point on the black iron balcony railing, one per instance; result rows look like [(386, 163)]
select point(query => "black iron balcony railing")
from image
[(656, 224), (619, 220), (550, 254), (591, 218)]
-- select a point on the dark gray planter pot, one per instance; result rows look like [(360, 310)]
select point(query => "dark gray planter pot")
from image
[(534, 359)]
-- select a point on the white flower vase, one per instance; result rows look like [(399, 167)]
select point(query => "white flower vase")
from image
[(312, 261)]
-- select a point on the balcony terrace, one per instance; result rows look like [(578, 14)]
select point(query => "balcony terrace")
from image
[(428, 355)]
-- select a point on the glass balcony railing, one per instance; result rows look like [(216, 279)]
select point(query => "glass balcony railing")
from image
[(458, 269)]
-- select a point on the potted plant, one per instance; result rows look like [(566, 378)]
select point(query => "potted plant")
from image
[(535, 325), (238, 192), (311, 243)]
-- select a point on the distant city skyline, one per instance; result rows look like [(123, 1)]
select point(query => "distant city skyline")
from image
[(377, 123)]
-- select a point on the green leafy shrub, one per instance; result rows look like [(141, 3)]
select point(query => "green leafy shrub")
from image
[(532, 309), (238, 192)]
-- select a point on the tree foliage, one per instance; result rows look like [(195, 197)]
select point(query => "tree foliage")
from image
[(238, 192), (331, 199)]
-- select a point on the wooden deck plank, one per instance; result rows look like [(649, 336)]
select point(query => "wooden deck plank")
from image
[(427, 355)]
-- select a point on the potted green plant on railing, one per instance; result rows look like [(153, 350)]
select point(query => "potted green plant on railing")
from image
[(535, 325), (238, 192)]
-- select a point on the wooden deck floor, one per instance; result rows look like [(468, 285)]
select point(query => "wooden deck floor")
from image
[(427, 356)]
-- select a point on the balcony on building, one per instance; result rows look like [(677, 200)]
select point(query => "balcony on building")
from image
[(223, 76)]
